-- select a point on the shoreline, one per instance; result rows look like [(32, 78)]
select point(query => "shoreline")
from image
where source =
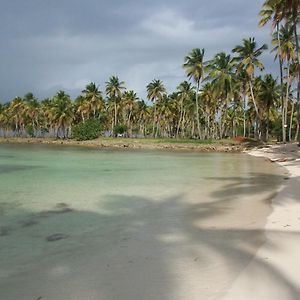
[(274, 272), (126, 143)]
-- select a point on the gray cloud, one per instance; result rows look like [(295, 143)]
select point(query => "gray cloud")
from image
[(49, 45)]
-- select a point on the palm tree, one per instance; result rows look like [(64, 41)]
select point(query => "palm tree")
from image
[(114, 88), (194, 67), (268, 94), (209, 107), (130, 98), (220, 71), (155, 92), (185, 92), (32, 111), (166, 112), (268, 13), (289, 10), (247, 58), (284, 47), (62, 113), (5, 120), (17, 110), (142, 115), (94, 98)]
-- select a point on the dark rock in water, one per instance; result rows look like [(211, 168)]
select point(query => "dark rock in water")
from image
[(60, 208), (61, 205), (64, 210), (4, 231), (56, 237), (29, 222)]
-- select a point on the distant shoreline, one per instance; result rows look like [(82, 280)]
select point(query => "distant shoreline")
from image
[(122, 143)]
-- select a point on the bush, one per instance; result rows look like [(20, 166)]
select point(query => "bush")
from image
[(29, 130), (120, 129), (89, 130)]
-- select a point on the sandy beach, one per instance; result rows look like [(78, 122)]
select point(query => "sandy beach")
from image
[(274, 272)]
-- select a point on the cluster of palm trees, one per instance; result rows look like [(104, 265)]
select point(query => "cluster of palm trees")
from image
[(223, 96)]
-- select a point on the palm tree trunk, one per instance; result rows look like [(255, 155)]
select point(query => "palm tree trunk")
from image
[(291, 121), (115, 108), (197, 109), (253, 98), (129, 124), (297, 131), (154, 117), (285, 107), (182, 124), (244, 116), (298, 63), (180, 119), (281, 77), (258, 118)]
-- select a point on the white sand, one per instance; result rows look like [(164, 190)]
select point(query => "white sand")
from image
[(274, 273)]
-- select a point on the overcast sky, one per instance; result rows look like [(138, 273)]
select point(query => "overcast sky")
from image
[(47, 45)]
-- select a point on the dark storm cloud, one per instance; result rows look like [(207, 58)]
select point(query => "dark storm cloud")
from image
[(48, 45)]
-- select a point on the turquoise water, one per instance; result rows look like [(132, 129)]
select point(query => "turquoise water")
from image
[(88, 224)]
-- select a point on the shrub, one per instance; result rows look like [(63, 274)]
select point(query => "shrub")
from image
[(29, 130), (88, 130), (120, 129)]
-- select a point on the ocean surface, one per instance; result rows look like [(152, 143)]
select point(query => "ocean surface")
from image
[(93, 224)]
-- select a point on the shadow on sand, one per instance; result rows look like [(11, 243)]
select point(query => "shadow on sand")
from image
[(135, 247)]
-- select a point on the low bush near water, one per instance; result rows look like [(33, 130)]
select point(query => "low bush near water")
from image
[(89, 130)]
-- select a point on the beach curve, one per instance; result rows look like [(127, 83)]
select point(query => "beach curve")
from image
[(274, 272)]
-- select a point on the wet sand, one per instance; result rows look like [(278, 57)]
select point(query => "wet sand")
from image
[(274, 272)]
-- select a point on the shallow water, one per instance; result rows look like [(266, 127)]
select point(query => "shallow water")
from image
[(109, 224)]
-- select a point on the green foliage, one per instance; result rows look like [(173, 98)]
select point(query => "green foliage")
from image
[(120, 129), (29, 130), (88, 130)]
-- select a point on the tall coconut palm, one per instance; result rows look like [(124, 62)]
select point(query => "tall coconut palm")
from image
[(220, 72), (268, 13), (17, 109), (165, 111), (185, 92), (284, 47), (93, 96), (130, 98), (5, 120), (114, 88), (62, 113), (247, 59), (142, 114), (268, 94), (209, 107), (155, 92), (194, 67), (289, 10), (32, 111)]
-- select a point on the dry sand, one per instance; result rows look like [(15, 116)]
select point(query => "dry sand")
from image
[(274, 272)]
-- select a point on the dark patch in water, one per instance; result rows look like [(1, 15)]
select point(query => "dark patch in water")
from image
[(60, 208), (15, 168), (56, 237), (29, 223), (4, 206), (4, 231), (6, 156)]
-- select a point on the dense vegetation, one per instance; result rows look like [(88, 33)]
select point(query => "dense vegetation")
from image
[(227, 95)]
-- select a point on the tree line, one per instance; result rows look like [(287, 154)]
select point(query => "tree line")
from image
[(225, 96)]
